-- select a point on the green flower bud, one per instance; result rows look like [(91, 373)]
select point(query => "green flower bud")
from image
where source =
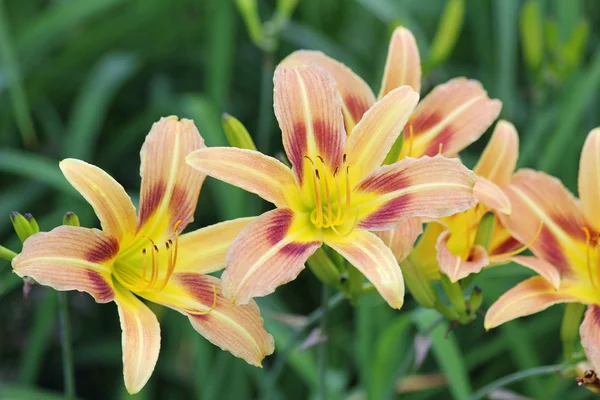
[(71, 219), (455, 294), (486, 230), (475, 300), (236, 133), (323, 268), (22, 225), (418, 284)]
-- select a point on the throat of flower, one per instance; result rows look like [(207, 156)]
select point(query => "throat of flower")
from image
[(590, 245), (332, 207), (519, 250)]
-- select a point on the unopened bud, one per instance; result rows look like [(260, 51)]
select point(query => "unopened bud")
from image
[(22, 225), (418, 284), (71, 219), (485, 231), (236, 133), (323, 268), (475, 300), (454, 293)]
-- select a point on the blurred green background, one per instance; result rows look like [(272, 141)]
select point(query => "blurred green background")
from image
[(87, 79)]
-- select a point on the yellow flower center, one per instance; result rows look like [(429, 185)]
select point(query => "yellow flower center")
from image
[(591, 245)]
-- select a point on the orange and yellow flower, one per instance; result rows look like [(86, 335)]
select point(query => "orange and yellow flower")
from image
[(147, 256), (568, 240), (336, 191)]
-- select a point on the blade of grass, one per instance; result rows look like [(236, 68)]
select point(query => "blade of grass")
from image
[(35, 167), (507, 31)]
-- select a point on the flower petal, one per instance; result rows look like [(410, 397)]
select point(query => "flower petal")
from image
[(377, 131), (357, 96), (268, 253), (111, 203), (70, 258), (403, 64), (531, 296), (453, 266), (402, 239), (589, 331), (250, 170), (499, 158), (309, 111), (141, 339), (204, 250), (170, 187), (424, 254), (425, 187), (537, 199), (589, 179), (237, 329), (543, 268), (452, 115), (374, 260), (492, 196)]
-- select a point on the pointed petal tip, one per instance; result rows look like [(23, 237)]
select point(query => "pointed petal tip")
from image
[(492, 196)]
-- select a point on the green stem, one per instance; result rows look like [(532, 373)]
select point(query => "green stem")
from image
[(7, 254), (66, 343), (322, 389), (265, 110), (517, 376)]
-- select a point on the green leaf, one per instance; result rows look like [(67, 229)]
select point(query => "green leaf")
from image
[(532, 34), (13, 392), (35, 167), (447, 33)]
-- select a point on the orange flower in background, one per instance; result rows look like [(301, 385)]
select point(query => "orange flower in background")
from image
[(336, 191), (568, 240), (148, 256)]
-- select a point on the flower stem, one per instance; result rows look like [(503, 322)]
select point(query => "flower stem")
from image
[(66, 343), (517, 376), (265, 109), (7, 254), (322, 360)]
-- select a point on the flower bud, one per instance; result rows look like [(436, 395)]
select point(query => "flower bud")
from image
[(454, 293), (475, 300), (23, 225), (418, 284), (71, 219), (236, 133), (323, 268), (485, 230)]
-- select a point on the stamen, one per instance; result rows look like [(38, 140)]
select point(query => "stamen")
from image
[(440, 148), (214, 304), (327, 195), (172, 257), (520, 249), (338, 214), (588, 239), (348, 194), (411, 134), (351, 228), (317, 189)]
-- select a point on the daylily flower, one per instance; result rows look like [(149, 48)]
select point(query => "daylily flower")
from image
[(147, 257), (448, 245), (568, 240), (451, 117), (336, 190)]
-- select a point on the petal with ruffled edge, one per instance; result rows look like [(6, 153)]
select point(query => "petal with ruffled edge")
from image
[(425, 187), (402, 239), (589, 179), (452, 115), (247, 169), (111, 203), (589, 331), (534, 295), (374, 260), (204, 250), (237, 329), (357, 96), (453, 266), (141, 339), (170, 187), (269, 252), (70, 258), (403, 64), (377, 131), (492, 196), (309, 111), (499, 158), (539, 199)]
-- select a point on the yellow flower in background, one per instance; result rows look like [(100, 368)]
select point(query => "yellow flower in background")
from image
[(568, 241), (147, 256), (336, 191)]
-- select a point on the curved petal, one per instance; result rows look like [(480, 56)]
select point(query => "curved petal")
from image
[(543, 268), (402, 239), (247, 169), (237, 329), (589, 331), (492, 196), (268, 253), (589, 179), (141, 339), (377, 131), (424, 255), (452, 115), (414, 187), (204, 250), (499, 158), (309, 111), (454, 267), (374, 260), (70, 258), (539, 199), (357, 96), (170, 187), (531, 296), (111, 203), (403, 64)]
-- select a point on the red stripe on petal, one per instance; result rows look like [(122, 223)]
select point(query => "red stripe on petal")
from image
[(381, 183), (389, 212), (105, 252), (553, 252), (326, 135), (103, 292), (279, 226), (151, 202), (443, 139), (423, 123), (356, 107)]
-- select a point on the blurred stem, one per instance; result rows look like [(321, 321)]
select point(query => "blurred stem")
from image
[(66, 343), (569, 331), (7, 254), (517, 376), (266, 102), (322, 391)]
